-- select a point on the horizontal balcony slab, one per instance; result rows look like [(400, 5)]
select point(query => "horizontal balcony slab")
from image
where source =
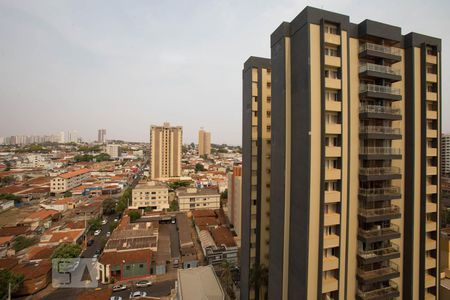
[(381, 75), (380, 156), (380, 177), (377, 54), (379, 115), (382, 274), (369, 218), (380, 136), (374, 258), (373, 236)]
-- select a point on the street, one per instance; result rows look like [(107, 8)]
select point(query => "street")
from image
[(90, 250), (156, 290)]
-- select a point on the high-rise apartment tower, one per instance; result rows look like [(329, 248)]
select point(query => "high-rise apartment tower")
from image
[(165, 151), (204, 142), (101, 138), (255, 174), (445, 154)]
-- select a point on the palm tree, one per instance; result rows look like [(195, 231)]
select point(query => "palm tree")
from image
[(226, 278), (259, 278)]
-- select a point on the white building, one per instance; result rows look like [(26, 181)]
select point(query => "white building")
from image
[(192, 199), (445, 154), (199, 283), (150, 194), (113, 150), (68, 181), (72, 136)]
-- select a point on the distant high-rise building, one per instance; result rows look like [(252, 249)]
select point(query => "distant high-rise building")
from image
[(355, 167), (204, 142), (113, 150), (62, 138), (234, 201), (445, 154), (101, 136), (255, 172), (165, 151), (72, 136)]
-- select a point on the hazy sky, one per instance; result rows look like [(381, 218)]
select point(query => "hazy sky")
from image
[(124, 65)]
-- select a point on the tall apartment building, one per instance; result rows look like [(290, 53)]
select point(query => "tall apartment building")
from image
[(445, 154), (113, 150), (256, 181), (234, 200), (165, 151), (354, 183), (101, 137), (204, 142)]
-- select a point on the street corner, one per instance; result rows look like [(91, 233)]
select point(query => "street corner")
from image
[(74, 273)]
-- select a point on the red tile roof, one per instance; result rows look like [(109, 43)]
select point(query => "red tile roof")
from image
[(14, 230), (74, 173), (66, 236), (8, 263), (6, 239), (203, 213), (116, 258), (223, 236), (40, 252), (42, 214), (32, 270)]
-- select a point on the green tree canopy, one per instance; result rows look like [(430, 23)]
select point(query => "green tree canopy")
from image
[(7, 277), (22, 242), (67, 251), (95, 224), (199, 167), (134, 215), (173, 206), (124, 200), (177, 184), (109, 206)]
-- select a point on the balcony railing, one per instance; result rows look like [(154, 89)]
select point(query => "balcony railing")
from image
[(392, 268), (369, 254), (379, 48), (377, 212), (379, 69), (379, 130), (379, 293), (379, 109), (380, 150), (378, 232), (378, 89), (379, 171)]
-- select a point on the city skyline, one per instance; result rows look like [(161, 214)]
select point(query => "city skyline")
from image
[(93, 68)]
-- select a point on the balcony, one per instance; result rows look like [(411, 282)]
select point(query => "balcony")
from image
[(430, 281), (379, 214), (369, 50), (379, 194), (379, 153), (431, 207), (369, 70), (373, 256), (430, 226), (333, 61), (333, 128), (332, 219), (431, 170), (377, 275), (330, 263), (332, 174), (379, 234), (380, 92), (431, 59), (330, 241), (333, 105), (431, 133), (332, 196), (431, 96), (379, 112), (431, 189), (388, 292), (430, 77), (431, 151), (380, 132), (332, 39), (329, 284), (332, 151), (430, 262), (430, 244), (379, 173), (332, 83), (432, 114)]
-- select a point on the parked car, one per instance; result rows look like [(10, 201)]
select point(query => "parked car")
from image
[(104, 221), (116, 219), (90, 242), (108, 233), (137, 294), (119, 287), (98, 251), (94, 257), (115, 298), (97, 232), (144, 283)]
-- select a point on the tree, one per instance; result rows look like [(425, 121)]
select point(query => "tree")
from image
[(124, 200), (226, 278), (67, 251), (134, 215), (10, 197), (7, 277), (199, 167), (95, 224), (67, 194), (224, 195), (7, 180), (173, 206), (113, 226), (259, 276), (177, 184), (109, 206), (22, 242), (148, 209)]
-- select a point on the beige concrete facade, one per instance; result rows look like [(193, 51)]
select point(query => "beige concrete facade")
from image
[(150, 194), (204, 142), (234, 200), (193, 199), (68, 181), (165, 151)]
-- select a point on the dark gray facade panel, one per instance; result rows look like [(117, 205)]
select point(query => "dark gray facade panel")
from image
[(369, 28), (277, 175), (314, 15), (300, 164), (414, 39), (246, 181)]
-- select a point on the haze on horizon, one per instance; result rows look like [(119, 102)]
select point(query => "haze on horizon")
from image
[(122, 65)]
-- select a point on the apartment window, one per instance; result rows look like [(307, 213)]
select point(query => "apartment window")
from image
[(331, 28), (431, 51), (269, 99), (255, 113), (331, 51), (332, 73), (331, 141), (331, 95), (269, 85), (268, 128), (268, 113), (332, 118)]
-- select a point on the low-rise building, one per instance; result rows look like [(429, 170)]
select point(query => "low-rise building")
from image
[(234, 200), (192, 199), (199, 283), (113, 150), (150, 194), (6, 204), (67, 181)]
